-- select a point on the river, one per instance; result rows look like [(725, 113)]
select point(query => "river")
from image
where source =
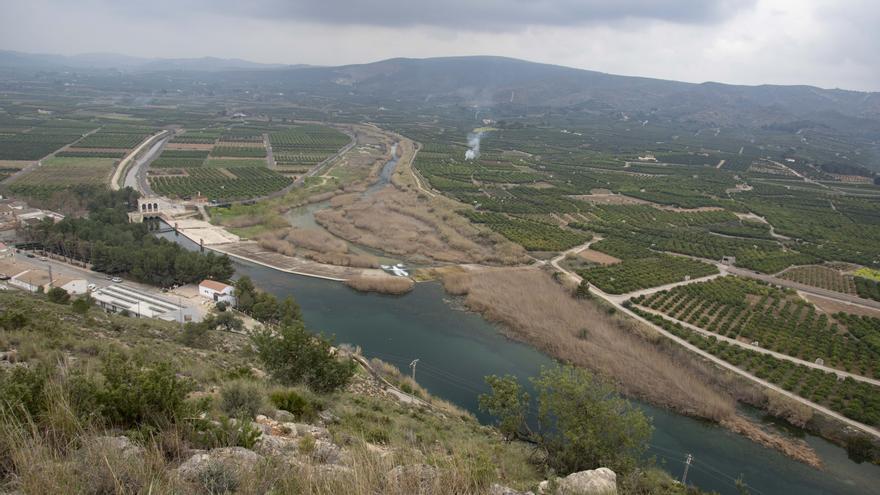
[(456, 349)]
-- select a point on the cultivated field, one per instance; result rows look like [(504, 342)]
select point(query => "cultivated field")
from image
[(59, 173)]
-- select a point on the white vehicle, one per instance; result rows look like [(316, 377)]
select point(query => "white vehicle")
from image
[(92, 287), (116, 280), (4, 287), (397, 270)]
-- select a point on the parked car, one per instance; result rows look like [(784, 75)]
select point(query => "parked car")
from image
[(116, 280), (4, 276), (31, 255), (92, 287), (43, 258)]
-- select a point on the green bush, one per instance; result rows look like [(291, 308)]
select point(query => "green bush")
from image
[(292, 355), (22, 391), (242, 399), (58, 295), (305, 409), (132, 394)]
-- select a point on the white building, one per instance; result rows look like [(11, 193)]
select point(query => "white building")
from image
[(120, 298), (217, 291)]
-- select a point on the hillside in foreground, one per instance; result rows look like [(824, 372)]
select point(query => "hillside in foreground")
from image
[(97, 403)]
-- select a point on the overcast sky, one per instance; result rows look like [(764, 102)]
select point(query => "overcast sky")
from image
[(828, 43)]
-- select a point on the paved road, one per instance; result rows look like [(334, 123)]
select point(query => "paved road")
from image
[(828, 294), (720, 362), (65, 270), (136, 175)]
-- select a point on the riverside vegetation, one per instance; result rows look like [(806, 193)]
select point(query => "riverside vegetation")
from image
[(98, 403)]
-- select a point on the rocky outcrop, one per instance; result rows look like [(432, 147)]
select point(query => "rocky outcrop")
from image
[(601, 481), (233, 460), (497, 489)]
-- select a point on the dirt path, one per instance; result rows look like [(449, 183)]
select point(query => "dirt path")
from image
[(777, 355), (615, 302)]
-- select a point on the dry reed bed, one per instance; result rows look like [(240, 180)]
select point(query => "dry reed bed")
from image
[(383, 284), (533, 308), (401, 223)]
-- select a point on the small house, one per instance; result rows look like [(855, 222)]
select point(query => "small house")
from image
[(217, 291)]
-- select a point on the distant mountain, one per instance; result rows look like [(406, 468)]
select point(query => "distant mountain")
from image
[(126, 63), (497, 81)]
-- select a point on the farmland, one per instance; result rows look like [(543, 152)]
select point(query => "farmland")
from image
[(778, 320), (305, 145), (856, 400), (220, 184), (59, 173), (642, 273), (822, 277), (118, 136)]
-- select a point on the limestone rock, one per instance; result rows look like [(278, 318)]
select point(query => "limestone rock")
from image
[(601, 481), (497, 489), (317, 432), (233, 459), (284, 416), (273, 445)]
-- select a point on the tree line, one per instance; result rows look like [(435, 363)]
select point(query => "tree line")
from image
[(112, 245)]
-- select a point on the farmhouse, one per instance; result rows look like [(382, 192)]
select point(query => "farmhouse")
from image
[(217, 291)]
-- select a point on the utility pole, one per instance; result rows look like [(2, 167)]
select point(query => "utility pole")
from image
[(413, 366), (49, 265), (687, 464)]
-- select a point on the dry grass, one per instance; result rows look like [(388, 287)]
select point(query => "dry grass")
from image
[(381, 283), (536, 309), (405, 224), (315, 240)]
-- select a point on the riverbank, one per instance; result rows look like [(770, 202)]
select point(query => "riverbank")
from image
[(533, 308), (458, 348)]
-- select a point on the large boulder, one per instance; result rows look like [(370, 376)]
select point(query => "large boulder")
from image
[(272, 445), (601, 481)]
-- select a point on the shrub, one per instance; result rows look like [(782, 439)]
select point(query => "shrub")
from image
[(241, 399), (292, 355), (82, 304), (133, 395), (290, 400), (58, 295)]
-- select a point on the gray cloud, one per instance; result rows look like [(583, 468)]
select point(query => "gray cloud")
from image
[(495, 15)]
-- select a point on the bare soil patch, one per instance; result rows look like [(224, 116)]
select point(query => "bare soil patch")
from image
[(830, 306), (598, 257)]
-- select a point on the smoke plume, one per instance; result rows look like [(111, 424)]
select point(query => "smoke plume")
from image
[(474, 146)]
